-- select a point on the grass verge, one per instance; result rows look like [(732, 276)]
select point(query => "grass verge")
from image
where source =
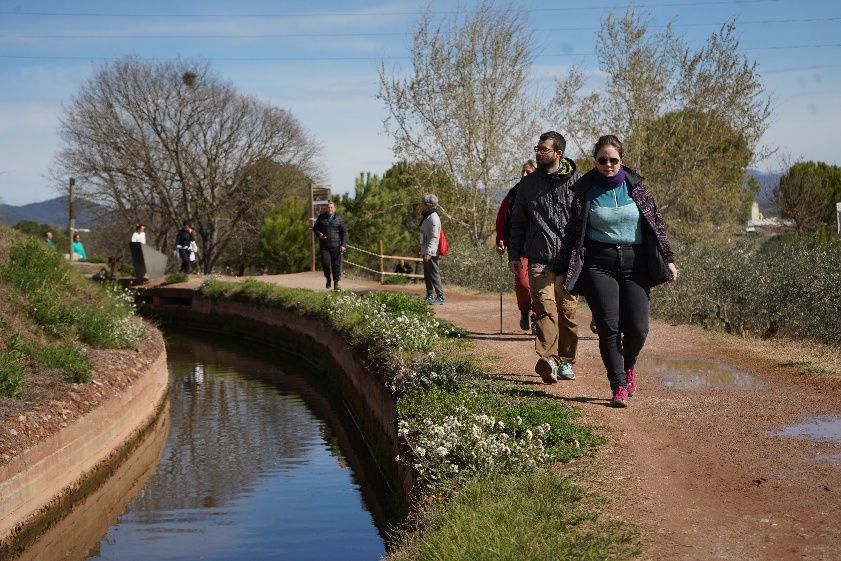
[(538, 517), (57, 314)]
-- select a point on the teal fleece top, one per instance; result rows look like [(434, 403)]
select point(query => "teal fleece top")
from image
[(614, 216)]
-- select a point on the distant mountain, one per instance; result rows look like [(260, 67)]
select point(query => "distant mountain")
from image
[(53, 212), (768, 181)]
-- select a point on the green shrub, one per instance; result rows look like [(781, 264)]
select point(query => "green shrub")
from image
[(477, 267), (172, 278), (70, 359), (111, 324), (396, 279), (788, 285), (33, 266), (55, 293), (11, 367)]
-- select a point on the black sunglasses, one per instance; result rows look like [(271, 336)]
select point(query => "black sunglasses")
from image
[(603, 161)]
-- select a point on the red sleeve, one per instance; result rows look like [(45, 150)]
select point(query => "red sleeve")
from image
[(501, 215)]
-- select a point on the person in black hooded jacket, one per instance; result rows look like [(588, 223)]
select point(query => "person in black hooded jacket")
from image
[(330, 229), (538, 218)]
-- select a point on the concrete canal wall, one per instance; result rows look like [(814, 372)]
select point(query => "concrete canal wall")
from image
[(37, 485)]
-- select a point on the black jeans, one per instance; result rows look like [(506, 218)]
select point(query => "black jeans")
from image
[(184, 255), (331, 259), (617, 287)]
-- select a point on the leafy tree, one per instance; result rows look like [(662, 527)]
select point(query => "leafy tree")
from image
[(285, 237), (807, 193), (464, 108), (165, 142), (284, 181), (704, 179), (387, 208), (690, 119)]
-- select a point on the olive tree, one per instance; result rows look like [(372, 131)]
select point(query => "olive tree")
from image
[(690, 118), (463, 108), (807, 193), (167, 142)]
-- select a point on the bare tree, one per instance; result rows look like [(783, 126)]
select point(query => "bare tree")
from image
[(464, 109), (167, 142), (691, 119)]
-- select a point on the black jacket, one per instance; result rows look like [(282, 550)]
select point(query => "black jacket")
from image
[(334, 231), (183, 239), (540, 213)]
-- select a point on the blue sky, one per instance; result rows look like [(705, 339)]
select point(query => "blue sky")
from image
[(319, 60)]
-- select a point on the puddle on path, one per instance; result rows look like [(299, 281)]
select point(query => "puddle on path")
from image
[(699, 374), (834, 460), (826, 429)]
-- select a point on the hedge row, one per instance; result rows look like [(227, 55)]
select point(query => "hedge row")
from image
[(783, 286)]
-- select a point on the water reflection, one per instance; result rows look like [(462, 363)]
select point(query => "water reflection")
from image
[(814, 428), (698, 374), (249, 472)]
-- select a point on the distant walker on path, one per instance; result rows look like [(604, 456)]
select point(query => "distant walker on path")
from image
[(430, 235), (139, 234), (330, 229), (182, 247)]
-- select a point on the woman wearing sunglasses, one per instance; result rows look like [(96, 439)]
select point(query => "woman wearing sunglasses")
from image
[(614, 250)]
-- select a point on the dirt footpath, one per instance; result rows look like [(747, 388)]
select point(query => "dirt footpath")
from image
[(696, 461)]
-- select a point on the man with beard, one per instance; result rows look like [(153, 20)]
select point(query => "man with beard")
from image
[(539, 215)]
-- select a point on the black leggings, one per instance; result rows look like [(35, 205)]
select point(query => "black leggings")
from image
[(617, 288)]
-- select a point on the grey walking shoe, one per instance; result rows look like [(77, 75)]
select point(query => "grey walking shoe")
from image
[(547, 369), (440, 299), (565, 371)]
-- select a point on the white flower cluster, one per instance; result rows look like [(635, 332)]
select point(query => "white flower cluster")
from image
[(397, 331), (470, 443), (123, 297), (126, 331), (124, 328), (425, 373)]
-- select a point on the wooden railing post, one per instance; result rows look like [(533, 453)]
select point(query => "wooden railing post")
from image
[(382, 263)]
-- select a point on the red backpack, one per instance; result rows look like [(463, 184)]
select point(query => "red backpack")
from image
[(443, 246)]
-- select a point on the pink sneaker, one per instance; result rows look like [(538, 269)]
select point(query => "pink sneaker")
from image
[(620, 397), (632, 381)]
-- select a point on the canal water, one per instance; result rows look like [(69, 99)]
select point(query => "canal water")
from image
[(250, 469)]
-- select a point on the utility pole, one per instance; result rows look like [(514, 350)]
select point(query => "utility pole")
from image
[(838, 216), (312, 234), (71, 227)]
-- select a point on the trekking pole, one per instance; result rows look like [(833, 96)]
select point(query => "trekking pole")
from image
[(500, 299)]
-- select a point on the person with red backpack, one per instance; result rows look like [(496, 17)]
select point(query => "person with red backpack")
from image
[(432, 244), (503, 233)]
